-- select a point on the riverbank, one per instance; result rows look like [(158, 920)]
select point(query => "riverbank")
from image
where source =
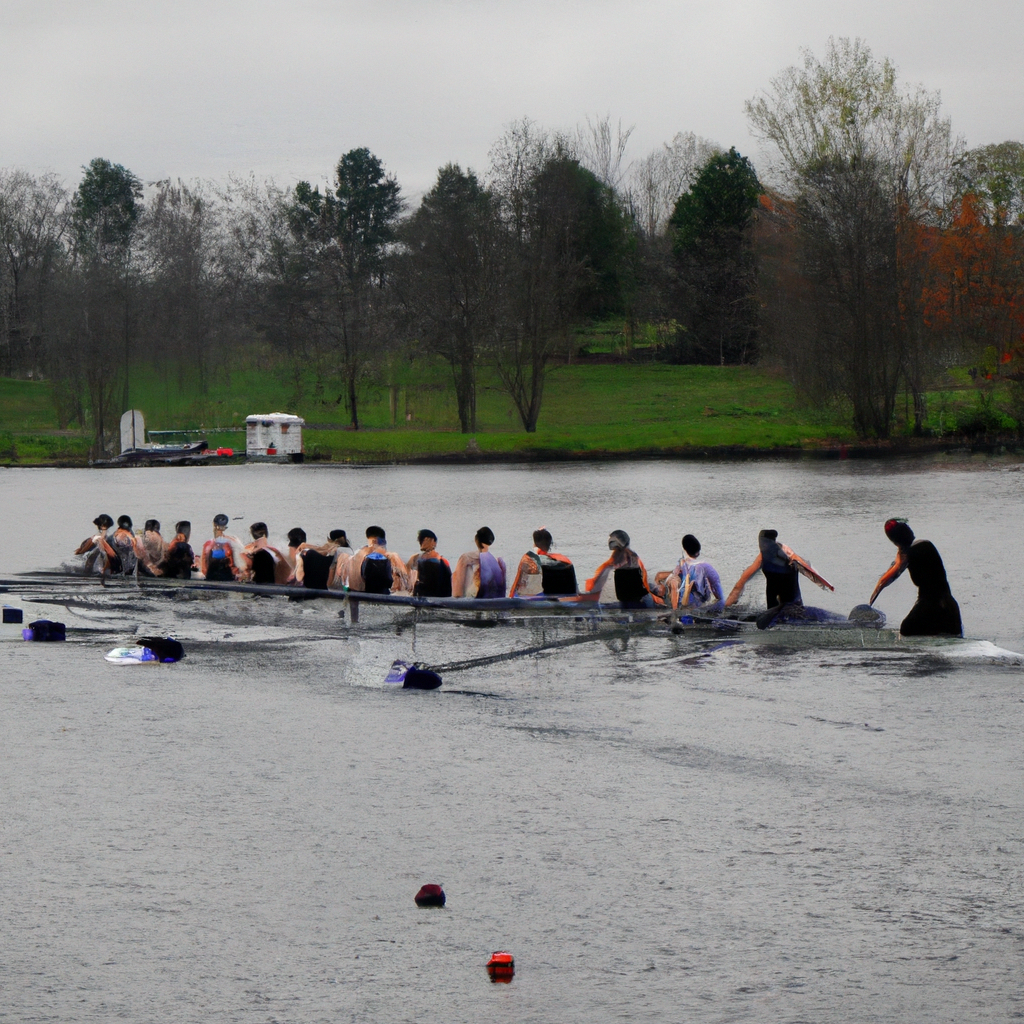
[(590, 412)]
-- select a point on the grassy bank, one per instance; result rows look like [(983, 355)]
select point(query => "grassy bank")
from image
[(588, 410)]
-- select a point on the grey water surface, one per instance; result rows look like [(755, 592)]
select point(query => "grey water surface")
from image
[(794, 826)]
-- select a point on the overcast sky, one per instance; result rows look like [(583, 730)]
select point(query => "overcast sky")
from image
[(200, 90)]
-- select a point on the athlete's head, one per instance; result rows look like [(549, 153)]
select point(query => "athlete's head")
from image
[(124, 522), (103, 521), (425, 535), (221, 521), (375, 534), (258, 530), (184, 528), (766, 539), (691, 545), (484, 536), (899, 532), (296, 536), (542, 539), (618, 539), (152, 526), (339, 537)]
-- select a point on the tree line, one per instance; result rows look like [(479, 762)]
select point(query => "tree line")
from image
[(872, 252)]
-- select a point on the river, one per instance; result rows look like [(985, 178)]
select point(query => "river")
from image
[(657, 829)]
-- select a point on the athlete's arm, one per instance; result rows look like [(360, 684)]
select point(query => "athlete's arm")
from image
[(596, 582), (805, 568), (890, 575), (734, 594)]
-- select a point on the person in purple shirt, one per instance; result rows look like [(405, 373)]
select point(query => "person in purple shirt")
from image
[(479, 573)]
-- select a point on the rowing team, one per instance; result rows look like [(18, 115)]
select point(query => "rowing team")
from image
[(694, 583)]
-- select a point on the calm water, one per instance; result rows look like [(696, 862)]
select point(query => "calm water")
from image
[(792, 828)]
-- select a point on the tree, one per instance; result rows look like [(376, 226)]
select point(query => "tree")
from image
[(564, 239), (33, 225), (450, 279), (717, 270), (105, 211), (344, 238), (866, 162)]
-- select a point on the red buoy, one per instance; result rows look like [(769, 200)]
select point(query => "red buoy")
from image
[(501, 967), (430, 896)]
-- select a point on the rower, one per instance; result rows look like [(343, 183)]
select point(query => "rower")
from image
[(268, 564), (429, 573), (782, 568), (179, 561), (375, 570), (122, 558), (314, 564), (627, 571), (935, 613), (95, 555), (217, 561), (478, 573), (338, 576), (152, 546), (543, 571), (694, 581)]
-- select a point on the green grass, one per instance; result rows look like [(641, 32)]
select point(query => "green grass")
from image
[(614, 409)]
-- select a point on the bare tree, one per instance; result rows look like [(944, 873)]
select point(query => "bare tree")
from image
[(602, 150), (34, 214)]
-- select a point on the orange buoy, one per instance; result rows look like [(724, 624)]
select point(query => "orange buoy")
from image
[(430, 896), (501, 967)]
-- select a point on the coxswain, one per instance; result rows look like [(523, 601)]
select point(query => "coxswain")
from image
[(479, 573), (95, 553), (543, 571), (935, 613), (267, 563), (375, 570), (179, 561), (628, 573), (217, 562), (430, 574), (694, 581), (782, 568)]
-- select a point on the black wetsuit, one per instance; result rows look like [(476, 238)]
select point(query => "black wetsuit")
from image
[(177, 563), (782, 581), (315, 569), (936, 612)]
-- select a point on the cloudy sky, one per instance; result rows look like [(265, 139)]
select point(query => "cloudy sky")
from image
[(186, 89)]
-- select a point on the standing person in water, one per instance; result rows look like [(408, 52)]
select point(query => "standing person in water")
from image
[(628, 573), (217, 561), (150, 547), (543, 571), (782, 568), (935, 613), (179, 561), (479, 573)]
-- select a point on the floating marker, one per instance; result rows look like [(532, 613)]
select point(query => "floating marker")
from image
[(430, 896), (44, 630), (501, 967), (412, 676)]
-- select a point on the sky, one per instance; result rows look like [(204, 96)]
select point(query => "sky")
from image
[(184, 89)]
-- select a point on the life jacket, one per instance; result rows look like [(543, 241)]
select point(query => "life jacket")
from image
[(315, 568), (433, 578), (377, 573), (629, 585), (558, 577), (262, 566), (220, 561)]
